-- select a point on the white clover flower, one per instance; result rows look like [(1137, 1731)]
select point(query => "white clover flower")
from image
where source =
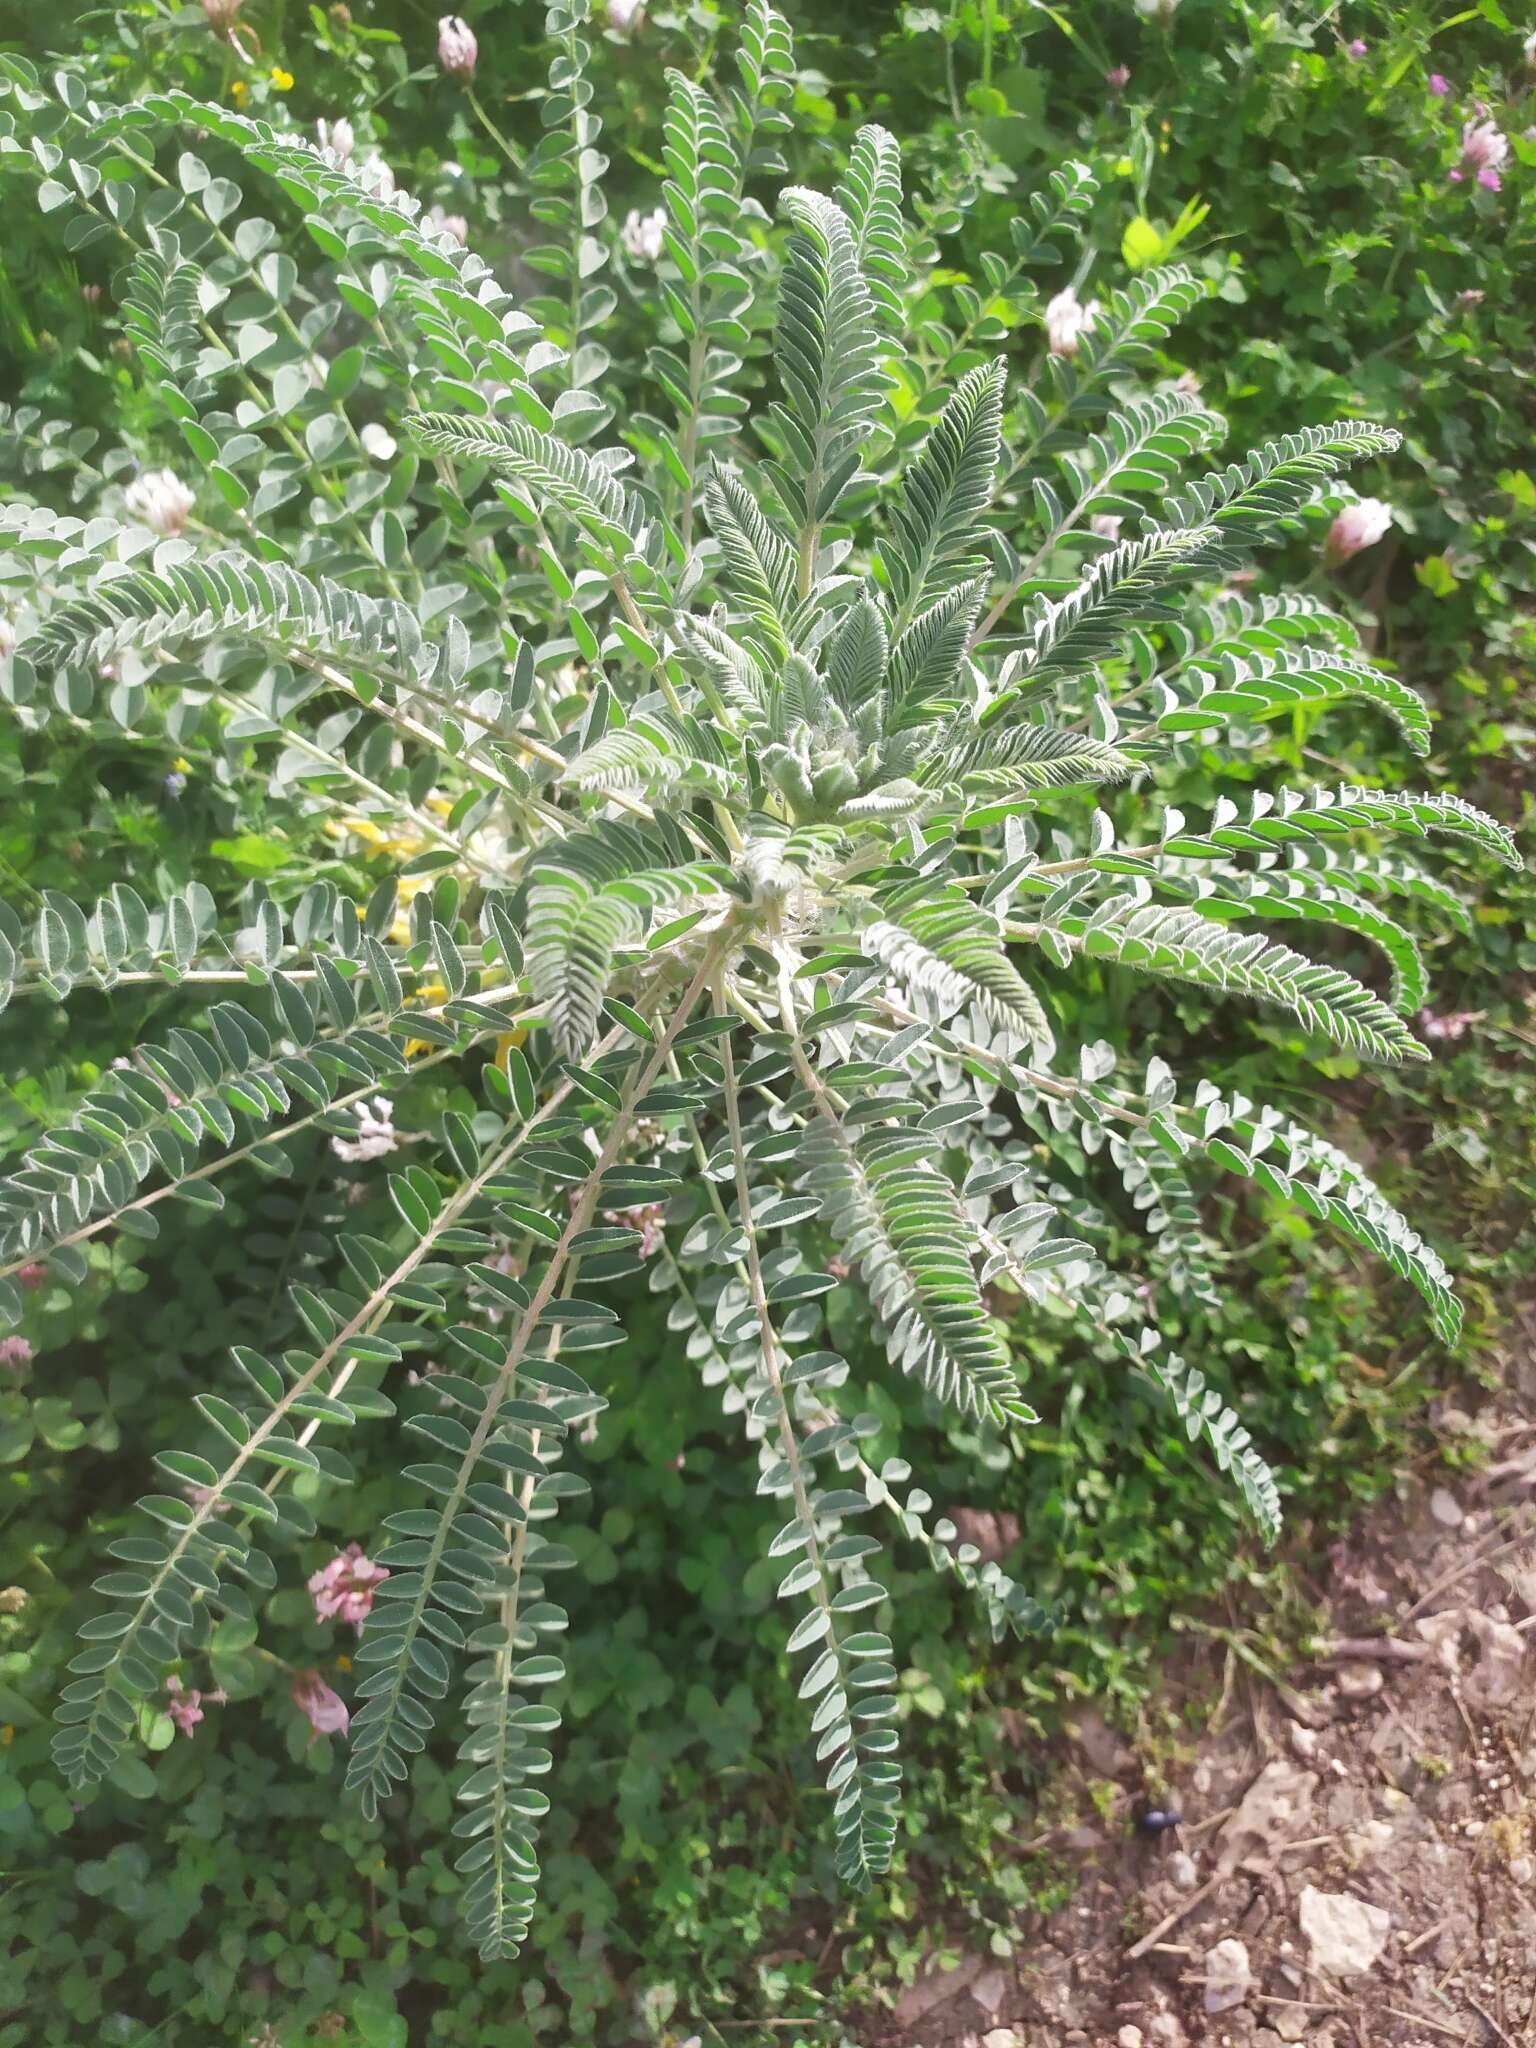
[(1156, 10), (377, 441), (1358, 526), (338, 137), (457, 49), (161, 501), (375, 1132), (1106, 525), (1067, 319), (641, 234), (625, 15), (7, 638)]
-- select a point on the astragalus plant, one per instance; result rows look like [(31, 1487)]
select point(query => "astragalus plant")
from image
[(777, 724)]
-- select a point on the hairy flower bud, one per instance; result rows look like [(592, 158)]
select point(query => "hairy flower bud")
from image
[(457, 49), (338, 137)]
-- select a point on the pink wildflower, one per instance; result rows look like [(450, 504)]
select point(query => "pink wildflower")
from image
[(15, 1354), (33, 1274), (184, 1706), (325, 1711), (343, 1589), (1483, 150), (1358, 526), (1357, 48), (1453, 1025), (1439, 84), (1118, 79)]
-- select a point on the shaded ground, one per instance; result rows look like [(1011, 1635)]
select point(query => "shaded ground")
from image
[(1356, 1865)]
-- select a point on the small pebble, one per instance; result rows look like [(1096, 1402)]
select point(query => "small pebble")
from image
[(1182, 1874), (1303, 1741), (1130, 2037), (1359, 1681), (1445, 1508), (1522, 1869)]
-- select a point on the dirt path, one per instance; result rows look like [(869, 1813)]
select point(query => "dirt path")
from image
[(1356, 1863)]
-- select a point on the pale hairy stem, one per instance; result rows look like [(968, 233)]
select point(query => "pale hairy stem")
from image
[(788, 1440), (1008, 1071), (338, 764), (506, 1378)]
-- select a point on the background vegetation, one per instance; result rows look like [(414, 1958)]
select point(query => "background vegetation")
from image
[(1301, 166)]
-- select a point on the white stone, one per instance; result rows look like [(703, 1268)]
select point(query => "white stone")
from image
[(989, 1990), (1346, 1934), (1228, 1975), (1303, 1742), (1445, 1508), (1182, 1874), (1130, 2037), (1002, 2037), (1359, 1681)]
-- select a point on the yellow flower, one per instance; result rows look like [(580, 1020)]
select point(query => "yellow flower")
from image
[(238, 90), (7, 1736), (504, 1045), (343, 1663), (182, 765), (280, 78)]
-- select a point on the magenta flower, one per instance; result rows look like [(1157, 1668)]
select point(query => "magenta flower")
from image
[(184, 1706), (325, 1711), (15, 1354), (1439, 84), (1356, 49), (343, 1589), (457, 49), (1358, 526), (1118, 79)]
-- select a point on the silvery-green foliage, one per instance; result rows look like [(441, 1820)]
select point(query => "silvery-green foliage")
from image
[(769, 754)]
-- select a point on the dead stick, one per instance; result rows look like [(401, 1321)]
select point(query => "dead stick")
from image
[(1423, 1940), (1167, 1925), (1378, 1649), (1488, 2020), (1468, 1565), (1456, 2033)]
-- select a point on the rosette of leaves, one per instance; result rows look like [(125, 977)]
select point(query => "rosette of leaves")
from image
[(751, 930)]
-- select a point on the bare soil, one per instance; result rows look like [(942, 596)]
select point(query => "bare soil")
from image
[(1356, 1861)]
